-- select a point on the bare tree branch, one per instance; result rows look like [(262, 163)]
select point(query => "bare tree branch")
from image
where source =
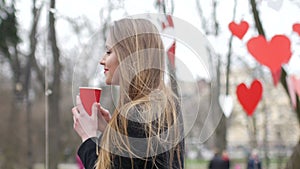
[(214, 14), (258, 23), (260, 30), (293, 162), (203, 20), (33, 44), (230, 52), (172, 6)]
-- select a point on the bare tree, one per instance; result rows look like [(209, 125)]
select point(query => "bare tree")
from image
[(54, 98), (27, 84), (212, 28), (21, 66), (9, 41)]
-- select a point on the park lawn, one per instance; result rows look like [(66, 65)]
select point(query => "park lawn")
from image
[(196, 164), (203, 164)]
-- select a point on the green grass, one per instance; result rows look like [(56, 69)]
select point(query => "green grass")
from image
[(196, 164), (203, 164)]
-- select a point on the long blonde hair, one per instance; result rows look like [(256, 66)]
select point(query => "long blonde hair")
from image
[(141, 74)]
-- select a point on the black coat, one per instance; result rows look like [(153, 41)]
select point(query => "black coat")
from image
[(87, 153), (218, 163)]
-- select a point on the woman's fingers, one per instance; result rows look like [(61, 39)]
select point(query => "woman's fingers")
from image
[(75, 116), (88, 125), (80, 106), (84, 125), (75, 112), (74, 119), (74, 122), (104, 112)]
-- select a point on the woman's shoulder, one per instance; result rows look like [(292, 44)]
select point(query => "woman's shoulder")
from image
[(132, 116)]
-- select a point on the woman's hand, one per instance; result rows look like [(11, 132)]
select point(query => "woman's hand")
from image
[(87, 126), (103, 117)]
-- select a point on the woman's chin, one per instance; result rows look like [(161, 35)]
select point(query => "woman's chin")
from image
[(108, 82)]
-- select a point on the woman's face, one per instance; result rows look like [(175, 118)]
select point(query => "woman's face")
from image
[(110, 63)]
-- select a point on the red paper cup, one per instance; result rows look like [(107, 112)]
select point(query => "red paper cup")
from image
[(88, 96)]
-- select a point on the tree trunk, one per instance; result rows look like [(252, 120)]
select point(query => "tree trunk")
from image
[(27, 84), (29, 154), (14, 157), (54, 98), (13, 134), (13, 127), (220, 134), (294, 162)]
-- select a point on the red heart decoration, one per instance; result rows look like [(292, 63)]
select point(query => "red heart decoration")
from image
[(249, 98), (296, 28), (296, 84), (276, 76), (239, 30), (291, 89), (271, 54), (168, 22), (171, 54)]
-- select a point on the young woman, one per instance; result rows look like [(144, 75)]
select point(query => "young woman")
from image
[(146, 129)]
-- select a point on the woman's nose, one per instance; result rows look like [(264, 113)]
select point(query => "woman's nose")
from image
[(102, 61)]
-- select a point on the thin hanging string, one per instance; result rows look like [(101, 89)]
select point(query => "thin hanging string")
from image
[(47, 92)]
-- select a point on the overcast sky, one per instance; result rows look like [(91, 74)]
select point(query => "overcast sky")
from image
[(276, 18)]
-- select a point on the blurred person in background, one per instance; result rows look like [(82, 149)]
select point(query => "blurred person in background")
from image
[(219, 161), (254, 162), (225, 158)]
